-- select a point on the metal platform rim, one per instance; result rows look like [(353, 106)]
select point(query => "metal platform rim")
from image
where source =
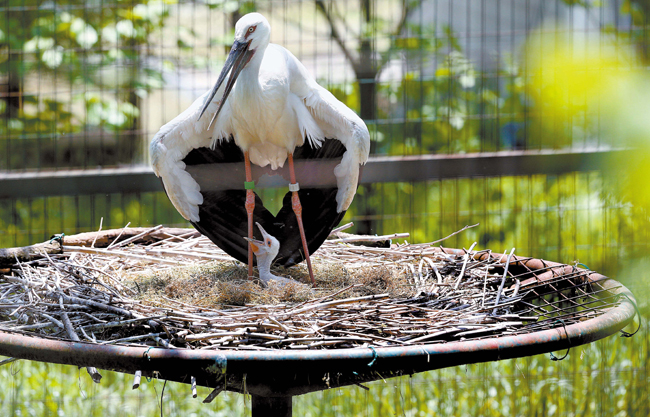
[(180, 364)]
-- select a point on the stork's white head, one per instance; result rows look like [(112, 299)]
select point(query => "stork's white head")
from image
[(252, 34), (253, 29), (265, 250)]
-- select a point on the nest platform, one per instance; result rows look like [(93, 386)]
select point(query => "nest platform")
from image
[(167, 303)]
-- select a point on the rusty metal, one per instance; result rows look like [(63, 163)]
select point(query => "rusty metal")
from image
[(284, 373)]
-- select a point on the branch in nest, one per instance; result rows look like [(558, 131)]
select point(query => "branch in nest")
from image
[(104, 238), (11, 256)]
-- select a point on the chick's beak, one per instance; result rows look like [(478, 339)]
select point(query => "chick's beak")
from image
[(264, 234), (255, 244)]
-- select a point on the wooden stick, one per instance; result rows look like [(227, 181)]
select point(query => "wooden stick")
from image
[(132, 338), (102, 239), (92, 371), (118, 323), (341, 228), (467, 256), (9, 360), (11, 256), (337, 302), (118, 236), (134, 238), (368, 238), (169, 252), (101, 306), (503, 281), (101, 222), (120, 254)]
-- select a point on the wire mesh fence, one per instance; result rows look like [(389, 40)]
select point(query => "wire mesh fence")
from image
[(86, 85)]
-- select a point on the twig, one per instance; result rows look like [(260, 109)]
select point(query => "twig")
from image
[(101, 222), (9, 360), (120, 254), (467, 256), (341, 228), (101, 306), (134, 238), (503, 280), (132, 338), (364, 238), (118, 236), (453, 234), (119, 323), (92, 371)]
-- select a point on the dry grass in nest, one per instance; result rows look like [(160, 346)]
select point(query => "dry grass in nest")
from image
[(223, 284)]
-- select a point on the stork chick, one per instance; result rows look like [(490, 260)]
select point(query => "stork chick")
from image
[(265, 251)]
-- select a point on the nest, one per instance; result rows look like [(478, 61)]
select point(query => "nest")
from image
[(174, 288)]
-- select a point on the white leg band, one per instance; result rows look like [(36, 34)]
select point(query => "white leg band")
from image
[(294, 187)]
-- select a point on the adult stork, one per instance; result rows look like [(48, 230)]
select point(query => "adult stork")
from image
[(270, 110)]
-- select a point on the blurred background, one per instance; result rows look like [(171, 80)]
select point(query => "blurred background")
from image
[(530, 117)]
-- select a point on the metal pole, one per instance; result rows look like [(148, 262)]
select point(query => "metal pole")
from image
[(271, 406)]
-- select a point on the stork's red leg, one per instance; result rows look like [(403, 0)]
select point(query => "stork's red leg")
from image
[(250, 207), (297, 209)]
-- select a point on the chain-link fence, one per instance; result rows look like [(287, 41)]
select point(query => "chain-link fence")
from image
[(85, 85)]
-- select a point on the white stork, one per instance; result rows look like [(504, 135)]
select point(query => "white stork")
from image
[(269, 110)]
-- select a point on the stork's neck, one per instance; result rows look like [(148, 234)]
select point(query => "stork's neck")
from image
[(249, 79), (264, 264), (264, 268)]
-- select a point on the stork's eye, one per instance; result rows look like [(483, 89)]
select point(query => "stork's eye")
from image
[(268, 242), (251, 29)]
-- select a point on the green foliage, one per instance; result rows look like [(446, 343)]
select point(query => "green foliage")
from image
[(25, 221), (605, 378), (457, 110), (67, 47), (567, 218)]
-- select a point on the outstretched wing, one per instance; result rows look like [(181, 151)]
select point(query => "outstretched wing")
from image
[(202, 171), (336, 121), (170, 145)]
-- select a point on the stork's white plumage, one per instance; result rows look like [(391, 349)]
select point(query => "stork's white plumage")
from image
[(269, 106)]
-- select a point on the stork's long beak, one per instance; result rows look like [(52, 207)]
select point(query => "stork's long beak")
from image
[(257, 244), (237, 59)]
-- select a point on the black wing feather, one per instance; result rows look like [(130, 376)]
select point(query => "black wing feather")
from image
[(220, 174)]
